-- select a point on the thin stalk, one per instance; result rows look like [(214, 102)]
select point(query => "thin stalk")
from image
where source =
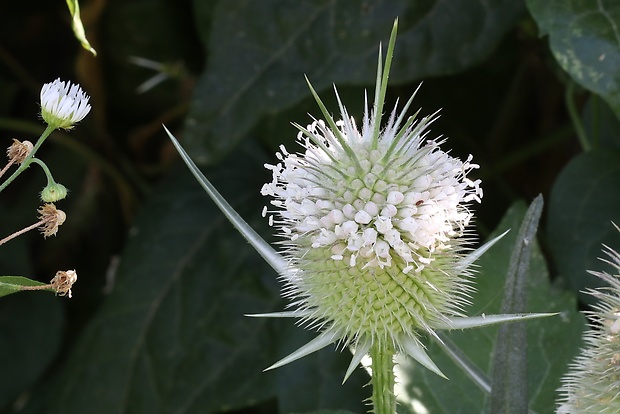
[(48, 173), (574, 116), (22, 231), (383, 398), (596, 116), (6, 167)]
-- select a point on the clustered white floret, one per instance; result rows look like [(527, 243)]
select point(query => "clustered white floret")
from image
[(379, 203), (63, 104)]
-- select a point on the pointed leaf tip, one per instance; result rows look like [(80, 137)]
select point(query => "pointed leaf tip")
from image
[(273, 258), (326, 338), (415, 350), (361, 350), (468, 260), (488, 320)]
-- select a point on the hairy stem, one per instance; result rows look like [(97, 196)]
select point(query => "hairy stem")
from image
[(383, 398)]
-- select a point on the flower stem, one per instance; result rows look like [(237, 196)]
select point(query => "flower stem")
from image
[(28, 160), (22, 231), (6, 167), (574, 116), (48, 173), (383, 398)]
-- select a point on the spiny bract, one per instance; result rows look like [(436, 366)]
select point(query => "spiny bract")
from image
[(593, 383)]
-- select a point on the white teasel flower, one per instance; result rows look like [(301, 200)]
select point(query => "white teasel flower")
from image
[(375, 227), (592, 384), (63, 104), (375, 223)]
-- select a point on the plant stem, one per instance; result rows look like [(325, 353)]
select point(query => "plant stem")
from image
[(574, 116), (383, 398), (28, 160), (48, 173), (22, 231)]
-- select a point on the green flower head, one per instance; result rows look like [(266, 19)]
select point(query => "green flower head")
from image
[(593, 383), (53, 192)]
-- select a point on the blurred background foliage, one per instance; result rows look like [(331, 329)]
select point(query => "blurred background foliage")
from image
[(156, 324)]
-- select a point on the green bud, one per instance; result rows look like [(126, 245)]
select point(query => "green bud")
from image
[(53, 192)]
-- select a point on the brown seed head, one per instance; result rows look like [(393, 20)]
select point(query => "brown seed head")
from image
[(63, 281), (51, 218), (18, 151)]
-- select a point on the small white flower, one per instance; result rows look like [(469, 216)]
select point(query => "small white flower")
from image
[(63, 104)]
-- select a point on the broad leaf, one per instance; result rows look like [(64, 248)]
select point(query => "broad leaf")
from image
[(259, 52), (425, 390), (583, 204), (583, 36)]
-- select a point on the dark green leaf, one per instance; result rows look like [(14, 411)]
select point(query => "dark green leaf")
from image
[(328, 412), (259, 52), (509, 381), (562, 334), (601, 124), (583, 36), (14, 284), (30, 326), (583, 203), (172, 336)]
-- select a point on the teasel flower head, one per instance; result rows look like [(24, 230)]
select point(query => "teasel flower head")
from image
[(375, 223), (63, 104), (592, 384)]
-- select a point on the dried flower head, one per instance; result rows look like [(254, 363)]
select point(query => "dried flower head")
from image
[(18, 151), (63, 104), (50, 219), (63, 281), (374, 221), (593, 383)]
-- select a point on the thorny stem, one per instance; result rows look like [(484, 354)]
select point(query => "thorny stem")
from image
[(29, 158), (383, 398)]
